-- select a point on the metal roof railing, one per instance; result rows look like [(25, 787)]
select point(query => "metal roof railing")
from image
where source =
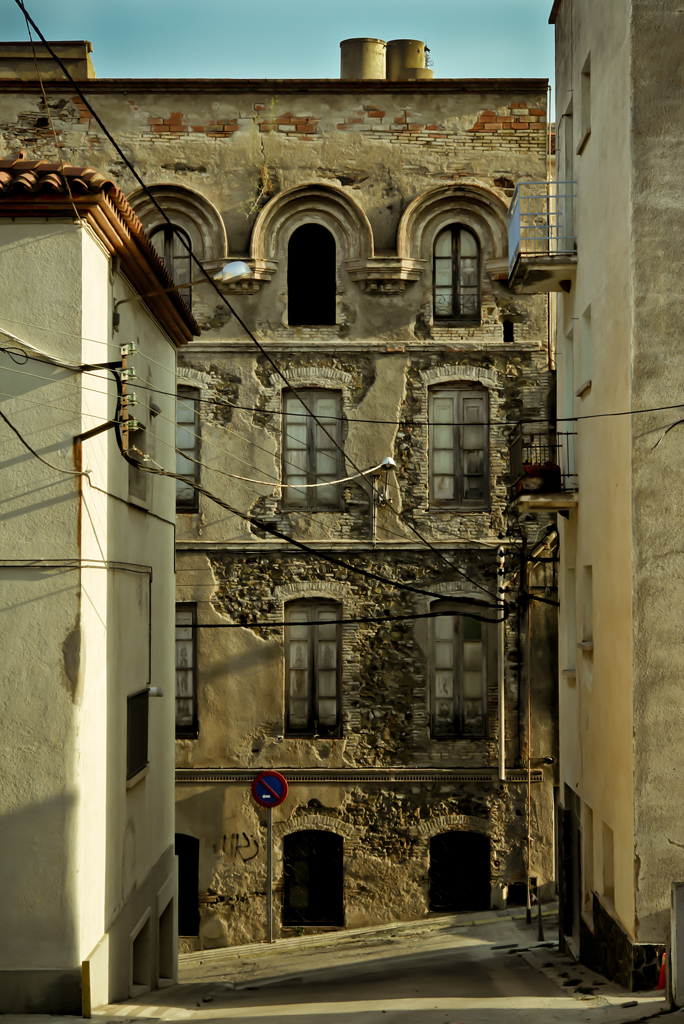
[(540, 220)]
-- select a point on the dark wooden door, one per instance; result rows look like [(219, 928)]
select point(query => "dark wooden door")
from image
[(459, 872), (313, 878)]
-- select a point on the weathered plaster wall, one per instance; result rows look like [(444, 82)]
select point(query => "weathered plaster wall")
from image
[(384, 169), (620, 747), (87, 614), (657, 365), (386, 833)]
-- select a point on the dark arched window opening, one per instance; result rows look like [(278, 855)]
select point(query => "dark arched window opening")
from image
[(187, 851), (457, 275), (311, 277), (313, 878), (459, 872), (176, 257), (508, 331)]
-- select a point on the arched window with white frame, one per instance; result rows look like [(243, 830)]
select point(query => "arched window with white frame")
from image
[(456, 275)]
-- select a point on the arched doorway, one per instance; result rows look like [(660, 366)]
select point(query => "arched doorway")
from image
[(187, 851), (311, 277), (313, 878), (459, 871)]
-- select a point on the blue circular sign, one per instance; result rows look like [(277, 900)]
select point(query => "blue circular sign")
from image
[(269, 789)]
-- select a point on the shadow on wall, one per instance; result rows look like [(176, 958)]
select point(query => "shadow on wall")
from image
[(39, 907)]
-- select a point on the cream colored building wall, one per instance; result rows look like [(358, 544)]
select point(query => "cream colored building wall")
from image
[(82, 850), (658, 359), (38, 771), (597, 757)]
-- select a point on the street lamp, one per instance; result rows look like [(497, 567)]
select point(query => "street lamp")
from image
[(238, 270)]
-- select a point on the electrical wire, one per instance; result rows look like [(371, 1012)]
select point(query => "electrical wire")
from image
[(334, 622), (400, 515), (183, 382), (311, 516), (65, 472), (58, 147), (274, 482)]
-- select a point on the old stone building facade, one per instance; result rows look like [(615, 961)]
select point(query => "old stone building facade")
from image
[(374, 217)]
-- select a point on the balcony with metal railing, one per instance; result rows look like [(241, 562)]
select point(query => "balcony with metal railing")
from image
[(542, 252), (543, 468)]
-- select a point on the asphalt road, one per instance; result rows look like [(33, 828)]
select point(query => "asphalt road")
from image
[(450, 970)]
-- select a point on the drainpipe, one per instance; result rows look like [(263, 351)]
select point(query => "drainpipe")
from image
[(502, 664)]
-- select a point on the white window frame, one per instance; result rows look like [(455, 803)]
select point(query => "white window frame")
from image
[(309, 456), (448, 273), (312, 655), (453, 448), (459, 701), (186, 668), (187, 440)]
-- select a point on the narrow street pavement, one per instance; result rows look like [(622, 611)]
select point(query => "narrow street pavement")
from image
[(460, 969)]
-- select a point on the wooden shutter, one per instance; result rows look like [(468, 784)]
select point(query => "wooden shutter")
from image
[(185, 668), (472, 436), (298, 671), (459, 449), (310, 456), (326, 667), (325, 453)]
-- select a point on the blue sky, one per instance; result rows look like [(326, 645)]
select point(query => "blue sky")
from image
[(292, 38)]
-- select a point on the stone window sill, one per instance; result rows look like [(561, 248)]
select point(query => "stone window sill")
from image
[(143, 773)]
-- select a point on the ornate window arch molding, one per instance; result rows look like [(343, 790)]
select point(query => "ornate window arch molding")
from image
[(189, 210), (456, 823), (341, 214), (314, 203), (482, 210), (452, 374), (305, 377), (322, 822), (328, 589)]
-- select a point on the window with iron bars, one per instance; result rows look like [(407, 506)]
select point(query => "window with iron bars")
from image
[(456, 273)]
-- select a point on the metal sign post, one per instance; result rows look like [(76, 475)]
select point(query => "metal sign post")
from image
[(269, 789), (269, 874)]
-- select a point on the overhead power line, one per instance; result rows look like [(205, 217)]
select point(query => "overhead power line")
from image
[(224, 300)]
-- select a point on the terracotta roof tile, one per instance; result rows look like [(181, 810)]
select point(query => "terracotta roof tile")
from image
[(33, 179)]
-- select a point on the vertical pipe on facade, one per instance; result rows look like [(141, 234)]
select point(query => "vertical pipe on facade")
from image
[(502, 665), (528, 571)]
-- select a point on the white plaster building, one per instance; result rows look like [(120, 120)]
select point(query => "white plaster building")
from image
[(373, 213), (87, 871), (614, 252)]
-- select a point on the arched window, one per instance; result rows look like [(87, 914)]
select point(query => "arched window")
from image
[(460, 872), (457, 275), (176, 257), (311, 277), (313, 878)]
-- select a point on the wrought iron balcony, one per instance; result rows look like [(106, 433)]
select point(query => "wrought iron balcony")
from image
[(541, 240), (542, 468)]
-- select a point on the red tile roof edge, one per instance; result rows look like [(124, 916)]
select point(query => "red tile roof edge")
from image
[(35, 179)]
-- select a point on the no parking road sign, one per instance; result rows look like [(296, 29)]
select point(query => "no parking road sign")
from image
[(269, 789)]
